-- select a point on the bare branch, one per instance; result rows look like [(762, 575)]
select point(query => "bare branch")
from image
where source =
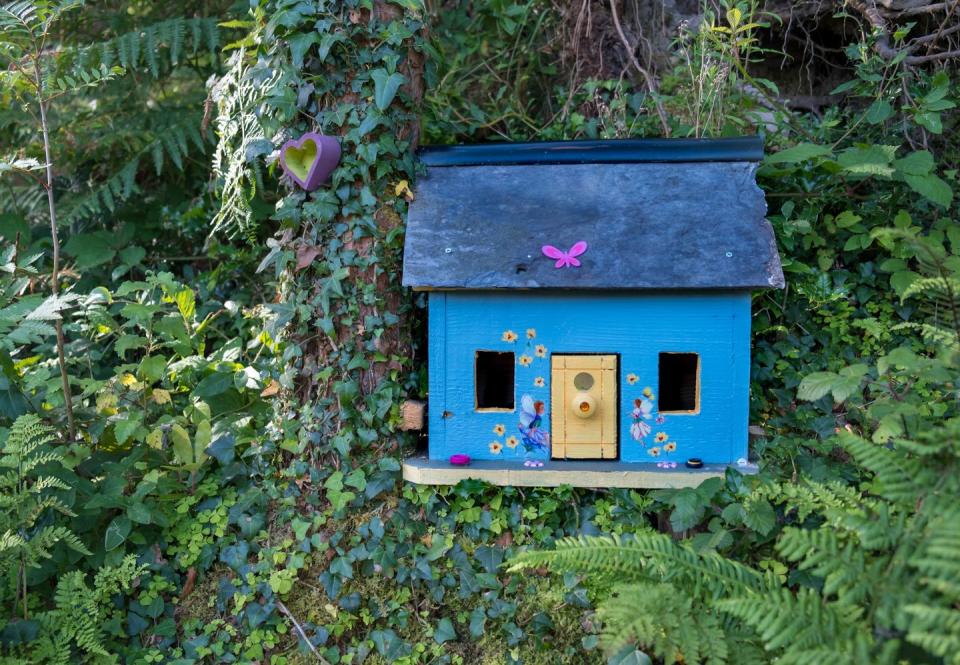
[(647, 77)]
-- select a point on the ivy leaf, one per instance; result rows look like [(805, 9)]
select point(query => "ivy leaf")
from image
[(385, 87), (222, 448), (117, 532), (478, 620), (444, 631), (327, 40), (388, 644), (299, 45)]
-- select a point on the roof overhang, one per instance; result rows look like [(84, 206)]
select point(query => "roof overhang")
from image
[(655, 214)]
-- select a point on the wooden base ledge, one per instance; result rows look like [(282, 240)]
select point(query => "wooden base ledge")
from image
[(423, 471)]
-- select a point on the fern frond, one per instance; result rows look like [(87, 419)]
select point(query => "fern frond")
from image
[(238, 99), (157, 48), (799, 621), (18, 18), (937, 630), (665, 622), (810, 497), (648, 556), (819, 551), (896, 477)]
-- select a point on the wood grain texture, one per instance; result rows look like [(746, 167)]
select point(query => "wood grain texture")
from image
[(576, 437), (575, 473), (635, 326)]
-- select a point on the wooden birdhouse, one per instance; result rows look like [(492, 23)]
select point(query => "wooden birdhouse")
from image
[(589, 309)]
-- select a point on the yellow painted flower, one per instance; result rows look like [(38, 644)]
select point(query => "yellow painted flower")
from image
[(632, 378), (509, 336), (648, 392), (531, 333), (654, 452), (525, 360), (661, 437), (539, 382), (541, 351), (499, 430), (670, 447), (512, 442), (496, 447)]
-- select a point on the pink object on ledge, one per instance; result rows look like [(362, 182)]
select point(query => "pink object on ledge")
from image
[(459, 460)]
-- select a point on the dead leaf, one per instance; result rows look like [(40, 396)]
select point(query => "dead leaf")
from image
[(402, 188), (188, 585), (271, 389), (305, 256)]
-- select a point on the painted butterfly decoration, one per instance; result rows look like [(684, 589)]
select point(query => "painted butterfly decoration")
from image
[(566, 259)]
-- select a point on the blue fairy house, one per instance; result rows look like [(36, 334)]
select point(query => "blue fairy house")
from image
[(589, 309)]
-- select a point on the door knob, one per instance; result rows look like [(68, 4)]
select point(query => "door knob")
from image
[(583, 405)]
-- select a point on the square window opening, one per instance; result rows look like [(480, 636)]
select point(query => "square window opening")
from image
[(679, 383), (494, 376)]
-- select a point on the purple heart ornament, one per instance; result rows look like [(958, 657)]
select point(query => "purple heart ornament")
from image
[(310, 159)]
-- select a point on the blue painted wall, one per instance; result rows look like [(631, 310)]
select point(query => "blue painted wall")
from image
[(638, 327)]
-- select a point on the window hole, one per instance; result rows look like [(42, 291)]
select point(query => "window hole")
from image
[(494, 380), (679, 383)]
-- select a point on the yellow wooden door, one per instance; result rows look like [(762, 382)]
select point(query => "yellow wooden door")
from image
[(583, 394)]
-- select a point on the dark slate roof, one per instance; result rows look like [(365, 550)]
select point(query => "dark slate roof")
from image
[(656, 214)]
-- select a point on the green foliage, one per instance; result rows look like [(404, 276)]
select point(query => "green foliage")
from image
[(27, 496), (237, 403), (867, 575), (74, 629)]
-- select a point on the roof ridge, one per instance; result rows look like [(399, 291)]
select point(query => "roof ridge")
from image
[(609, 151)]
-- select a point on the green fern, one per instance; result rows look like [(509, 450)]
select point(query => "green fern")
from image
[(25, 498), (240, 132), (873, 567), (157, 48), (76, 624)]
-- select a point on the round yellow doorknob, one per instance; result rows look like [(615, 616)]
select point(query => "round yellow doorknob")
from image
[(584, 406)]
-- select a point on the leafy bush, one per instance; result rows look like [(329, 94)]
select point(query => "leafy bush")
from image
[(871, 574)]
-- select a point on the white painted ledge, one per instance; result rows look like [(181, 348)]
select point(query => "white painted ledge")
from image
[(423, 471)]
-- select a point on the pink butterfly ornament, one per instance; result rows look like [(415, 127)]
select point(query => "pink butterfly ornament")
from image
[(566, 259)]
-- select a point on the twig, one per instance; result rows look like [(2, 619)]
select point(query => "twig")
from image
[(933, 37), (55, 241), (868, 9), (918, 59), (651, 83), (299, 629), (943, 25)]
